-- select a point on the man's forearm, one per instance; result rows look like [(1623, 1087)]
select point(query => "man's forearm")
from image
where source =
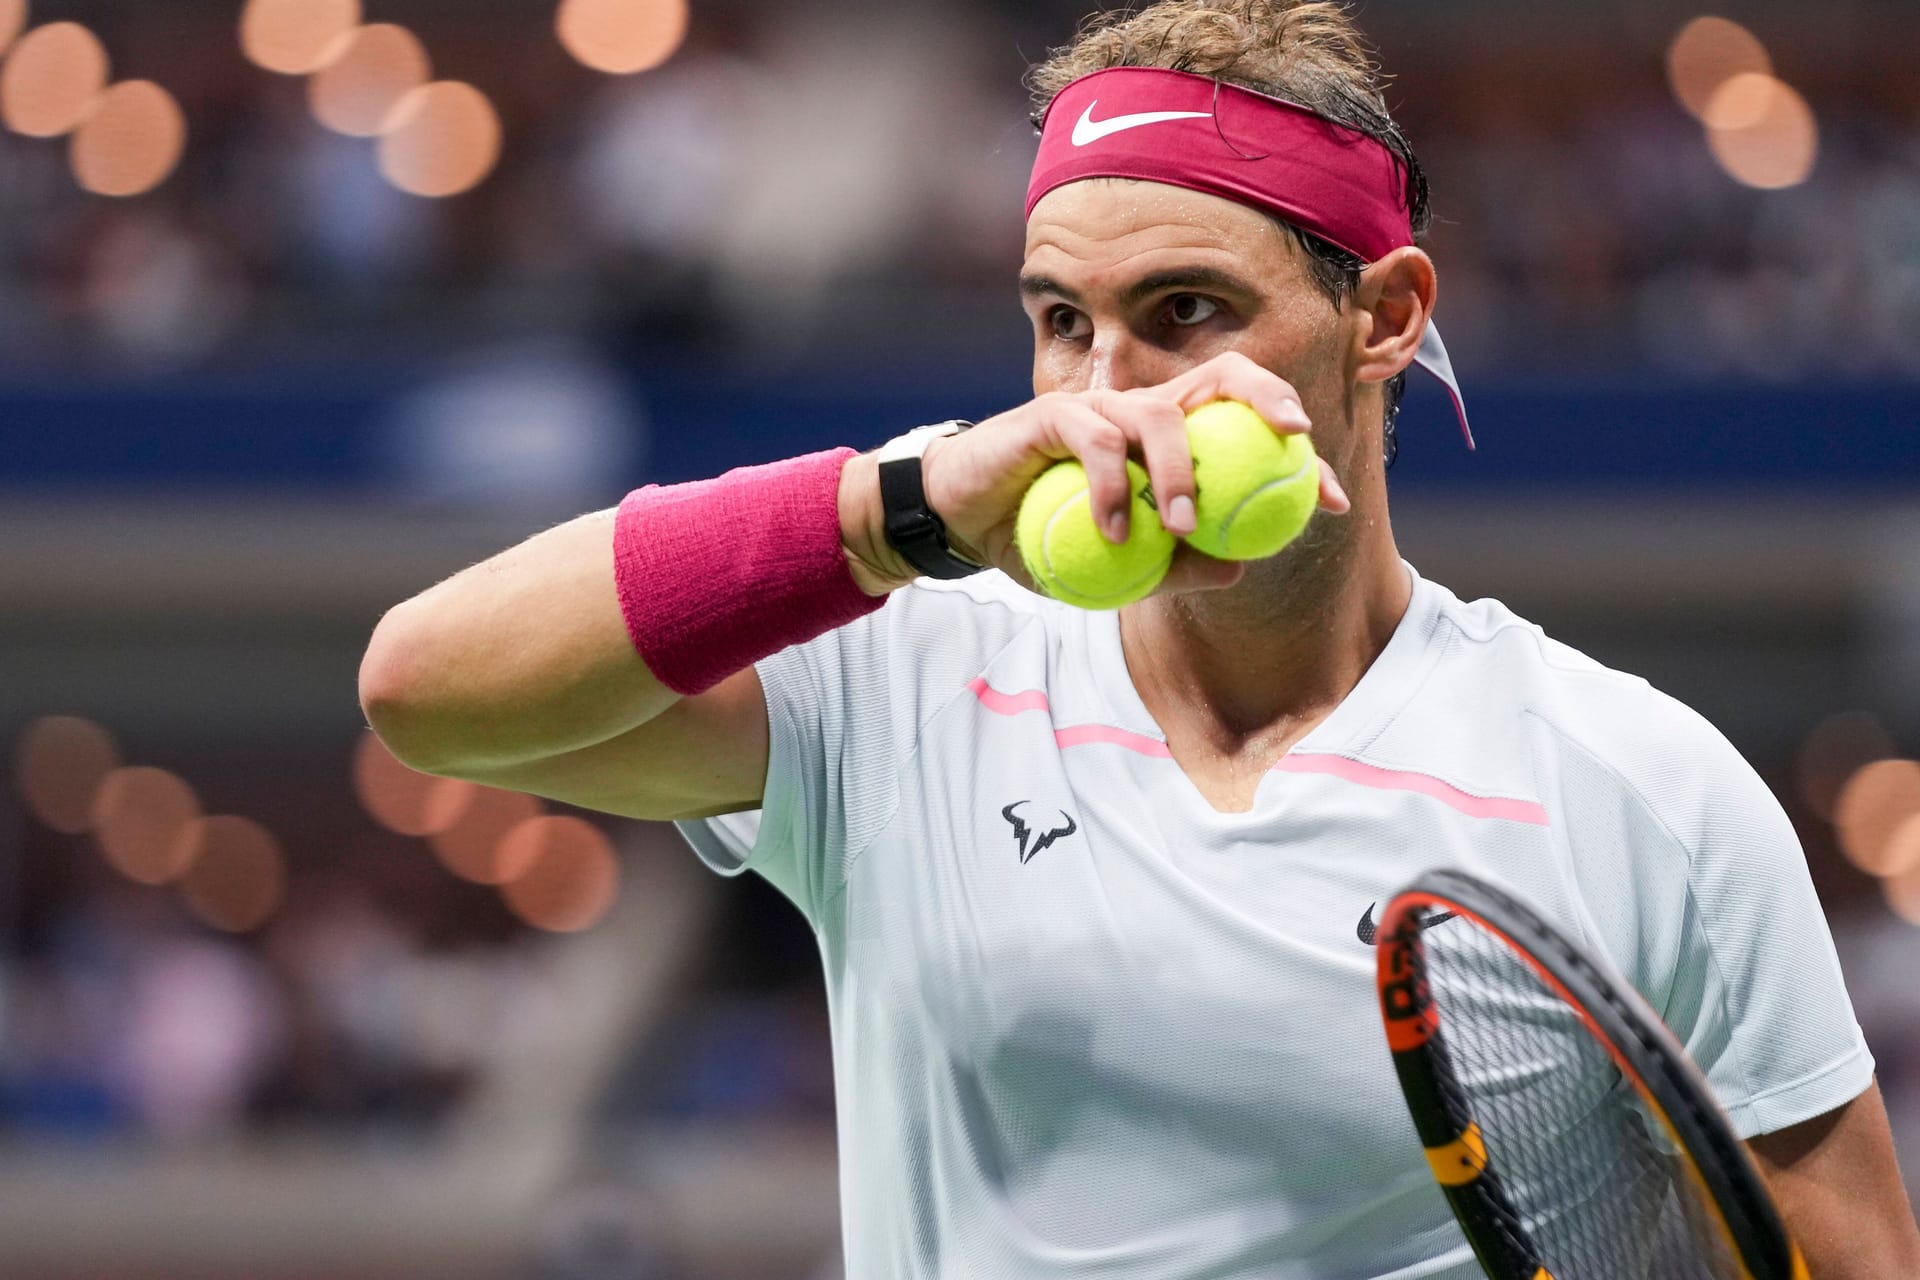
[(520, 657), (1838, 1187), (591, 630)]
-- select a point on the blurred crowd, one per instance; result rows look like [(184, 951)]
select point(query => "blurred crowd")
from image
[(1624, 245), (369, 1006), (123, 1015), (854, 173)]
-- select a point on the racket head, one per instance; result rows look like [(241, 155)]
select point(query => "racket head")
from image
[(1462, 963)]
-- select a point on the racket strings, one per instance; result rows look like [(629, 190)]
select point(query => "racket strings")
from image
[(1585, 1165)]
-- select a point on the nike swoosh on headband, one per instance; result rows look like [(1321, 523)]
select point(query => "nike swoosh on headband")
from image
[(1086, 129)]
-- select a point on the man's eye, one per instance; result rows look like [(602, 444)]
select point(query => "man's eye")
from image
[(1068, 325), (1191, 308)]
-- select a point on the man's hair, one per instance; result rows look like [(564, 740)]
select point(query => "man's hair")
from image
[(1308, 52)]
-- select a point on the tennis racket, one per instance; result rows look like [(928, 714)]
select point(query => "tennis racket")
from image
[(1570, 1134)]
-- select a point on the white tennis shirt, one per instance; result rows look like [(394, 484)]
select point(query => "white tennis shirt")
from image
[(1085, 1025)]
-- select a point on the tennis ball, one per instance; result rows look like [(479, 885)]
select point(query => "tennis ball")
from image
[(1069, 558), (1254, 490)]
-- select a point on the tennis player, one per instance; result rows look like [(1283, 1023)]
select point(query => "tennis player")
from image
[(1095, 892)]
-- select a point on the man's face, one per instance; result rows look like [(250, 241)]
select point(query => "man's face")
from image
[(1130, 283)]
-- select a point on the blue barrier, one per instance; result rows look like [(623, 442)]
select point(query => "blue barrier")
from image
[(331, 432)]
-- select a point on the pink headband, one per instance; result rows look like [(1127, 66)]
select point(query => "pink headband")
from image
[(1195, 132)]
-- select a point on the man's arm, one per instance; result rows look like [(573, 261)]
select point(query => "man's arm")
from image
[(519, 672), (1838, 1187)]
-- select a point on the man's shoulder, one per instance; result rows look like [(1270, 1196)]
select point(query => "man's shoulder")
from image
[(967, 616), (1488, 645), (991, 589), (1574, 709), (930, 640)]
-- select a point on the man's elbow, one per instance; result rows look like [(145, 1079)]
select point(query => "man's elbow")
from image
[(395, 696)]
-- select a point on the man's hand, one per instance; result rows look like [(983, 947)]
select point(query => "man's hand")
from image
[(975, 480)]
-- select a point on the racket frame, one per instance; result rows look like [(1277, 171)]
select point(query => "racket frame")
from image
[(1618, 1018)]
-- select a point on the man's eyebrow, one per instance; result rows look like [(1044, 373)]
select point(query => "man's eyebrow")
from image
[(1184, 278), (1035, 286), (1039, 286)]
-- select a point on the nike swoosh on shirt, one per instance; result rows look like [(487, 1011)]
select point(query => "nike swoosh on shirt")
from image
[(1367, 931), (1086, 129)]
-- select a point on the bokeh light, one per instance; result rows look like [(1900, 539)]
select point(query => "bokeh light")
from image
[(51, 80), (442, 139), (13, 18), (474, 848), (58, 766), (296, 37), (131, 141), (571, 875), (138, 815), (1741, 102), (621, 36), (1875, 804), (402, 799), (1707, 53), (1903, 896), (1901, 854), (236, 875), (1836, 749), (1762, 132), (376, 66)]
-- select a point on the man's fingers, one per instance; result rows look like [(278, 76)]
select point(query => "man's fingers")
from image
[(1332, 497), (1285, 416), (1159, 429), (1193, 571), (1101, 429), (1233, 376), (1101, 447)]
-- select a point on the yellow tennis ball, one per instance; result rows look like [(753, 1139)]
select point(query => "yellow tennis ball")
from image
[(1069, 558), (1255, 490)]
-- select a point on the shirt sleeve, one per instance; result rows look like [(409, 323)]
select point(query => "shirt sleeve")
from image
[(1757, 996), (843, 715), (829, 724)]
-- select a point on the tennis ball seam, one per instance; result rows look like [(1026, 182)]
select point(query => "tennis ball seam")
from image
[(1283, 481), (1058, 589)]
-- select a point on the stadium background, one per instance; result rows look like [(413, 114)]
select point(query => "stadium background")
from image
[(266, 1009)]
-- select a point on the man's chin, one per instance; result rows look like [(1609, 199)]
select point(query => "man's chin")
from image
[(1315, 563)]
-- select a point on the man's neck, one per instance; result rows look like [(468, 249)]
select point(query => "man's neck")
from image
[(1251, 669)]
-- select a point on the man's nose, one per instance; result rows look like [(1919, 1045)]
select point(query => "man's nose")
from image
[(1121, 362)]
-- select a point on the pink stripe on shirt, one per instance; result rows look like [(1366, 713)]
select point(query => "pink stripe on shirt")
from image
[(1446, 793), (1078, 735), (1366, 775), (1007, 704), (1084, 734)]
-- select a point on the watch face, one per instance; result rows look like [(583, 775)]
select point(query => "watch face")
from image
[(914, 443), (912, 529)]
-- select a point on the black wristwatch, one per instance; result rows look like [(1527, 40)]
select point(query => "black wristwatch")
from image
[(912, 527)]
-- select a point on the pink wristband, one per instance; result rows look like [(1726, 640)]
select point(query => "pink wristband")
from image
[(715, 575)]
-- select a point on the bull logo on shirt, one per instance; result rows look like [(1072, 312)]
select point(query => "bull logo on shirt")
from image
[(1023, 831)]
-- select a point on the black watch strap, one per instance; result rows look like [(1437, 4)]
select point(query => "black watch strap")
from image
[(912, 527)]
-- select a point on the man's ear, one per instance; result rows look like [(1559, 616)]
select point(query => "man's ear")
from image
[(1392, 305)]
